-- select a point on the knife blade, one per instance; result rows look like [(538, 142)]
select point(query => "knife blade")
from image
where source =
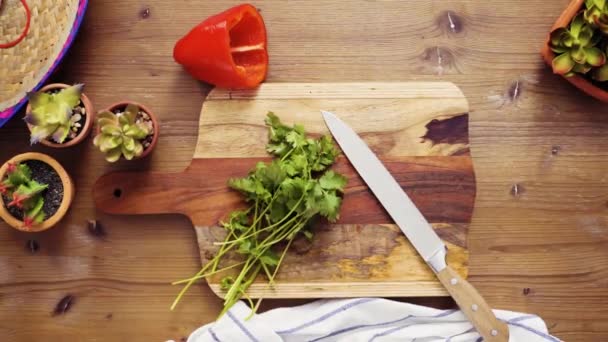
[(396, 202), (415, 227)]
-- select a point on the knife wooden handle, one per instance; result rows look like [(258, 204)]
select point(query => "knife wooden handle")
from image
[(474, 306)]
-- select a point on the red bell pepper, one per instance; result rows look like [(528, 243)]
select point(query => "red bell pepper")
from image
[(227, 49)]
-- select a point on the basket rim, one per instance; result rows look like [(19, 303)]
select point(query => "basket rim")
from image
[(8, 112)]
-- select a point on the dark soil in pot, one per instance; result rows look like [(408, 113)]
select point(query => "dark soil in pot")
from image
[(53, 195)]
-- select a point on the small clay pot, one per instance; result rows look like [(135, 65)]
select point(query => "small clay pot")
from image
[(66, 201), (86, 128), (155, 126), (577, 80)]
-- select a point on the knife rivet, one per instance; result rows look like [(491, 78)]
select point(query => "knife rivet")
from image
[(453, 281), (494, 332), (474, 307)]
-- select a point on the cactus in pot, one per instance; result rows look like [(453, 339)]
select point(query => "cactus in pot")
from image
[(25, 192), (35, 192)]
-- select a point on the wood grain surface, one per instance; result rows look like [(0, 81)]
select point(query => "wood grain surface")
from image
[(539, 236), (423, 138)]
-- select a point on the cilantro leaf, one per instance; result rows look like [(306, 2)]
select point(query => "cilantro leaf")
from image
[(308, 234), (226, 283), (245, 247), (332, 181), (295, 139), (278, 149), (270, 175), (329, 206), (269, 258), (278, 210)]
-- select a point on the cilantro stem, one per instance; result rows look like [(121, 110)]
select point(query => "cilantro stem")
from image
[(285, 234), (237, 289), (288, 154), (255, 214), (222, 250), (255, 309), (276, 269), (212, 263), (267, 271), (238, 280), (187, 286), (244, 237), (206, 274), (248, 300)]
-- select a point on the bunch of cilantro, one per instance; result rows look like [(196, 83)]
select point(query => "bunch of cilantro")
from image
[(285, 197)]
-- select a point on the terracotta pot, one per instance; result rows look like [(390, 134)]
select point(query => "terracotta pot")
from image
[(156, 128), (577, 80), (88, 123), (68, 193)]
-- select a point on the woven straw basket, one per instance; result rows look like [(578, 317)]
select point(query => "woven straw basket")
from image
[(26, 66)]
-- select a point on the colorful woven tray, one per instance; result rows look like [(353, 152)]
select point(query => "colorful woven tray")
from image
[(27, 66)]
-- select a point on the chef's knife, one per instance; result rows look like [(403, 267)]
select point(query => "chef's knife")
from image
[(413, 224)]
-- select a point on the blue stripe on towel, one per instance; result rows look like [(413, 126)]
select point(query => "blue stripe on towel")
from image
[(521, 318), (445, 313), (534, 331), (213, 335), (392, 330), (242, 327), (460, 334), (326, 316), (354, 327)]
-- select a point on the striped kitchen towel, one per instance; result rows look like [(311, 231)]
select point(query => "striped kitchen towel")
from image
[(361, 319)]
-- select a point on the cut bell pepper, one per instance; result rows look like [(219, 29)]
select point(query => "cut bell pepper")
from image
[(227, 50)]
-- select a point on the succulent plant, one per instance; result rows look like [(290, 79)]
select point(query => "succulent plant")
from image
[(26, 193), (596, 14), (52, 115), (15, 175), (576, 48), (601, 73), (121, 134)]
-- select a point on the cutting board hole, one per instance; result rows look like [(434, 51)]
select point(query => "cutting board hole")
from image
[(117, 193)]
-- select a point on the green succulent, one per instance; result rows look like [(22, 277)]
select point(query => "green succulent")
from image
[(576, 48), (51, 115), (121, 134), (601, 73), (596, 14), (25, 193)]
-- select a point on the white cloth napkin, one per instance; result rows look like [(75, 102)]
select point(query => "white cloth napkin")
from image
[(361, 319)]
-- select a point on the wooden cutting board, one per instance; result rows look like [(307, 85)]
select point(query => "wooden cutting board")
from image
[(419, 130)]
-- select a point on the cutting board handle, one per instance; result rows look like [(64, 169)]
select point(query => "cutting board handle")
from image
[(201, 193), (138, 193)]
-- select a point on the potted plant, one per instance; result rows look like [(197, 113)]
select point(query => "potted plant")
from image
[(577, 46), (59, 115), (126, 129), (36, 192)]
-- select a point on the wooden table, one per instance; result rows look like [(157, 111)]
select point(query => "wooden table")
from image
[(539, 238)]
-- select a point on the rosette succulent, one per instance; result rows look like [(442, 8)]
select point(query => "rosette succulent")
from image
[(121, 134), (52, 114), (576, 48), (596, 14)]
